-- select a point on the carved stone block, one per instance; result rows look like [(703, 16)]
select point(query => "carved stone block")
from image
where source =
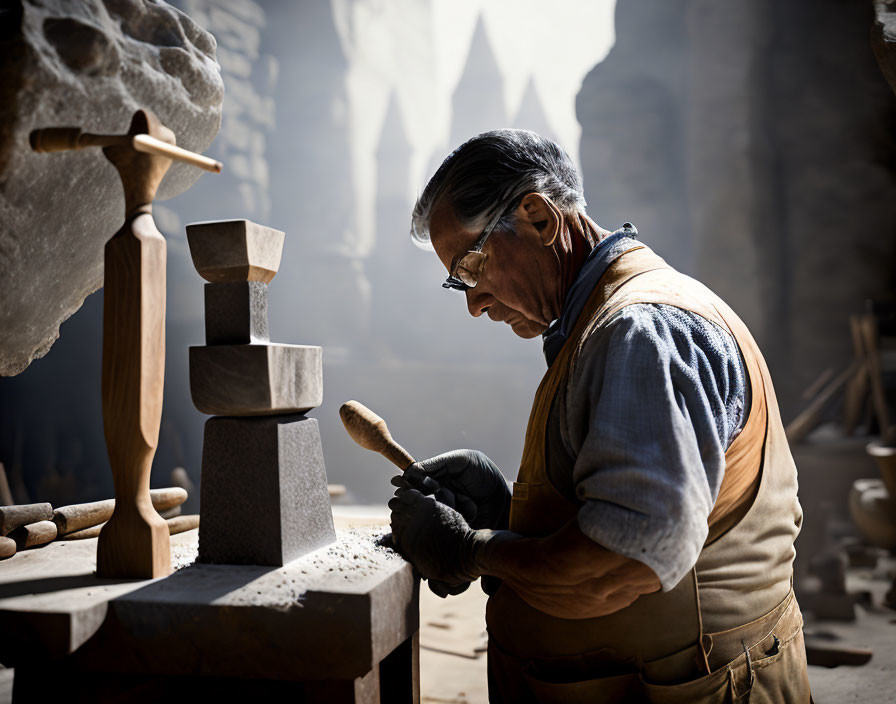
[(251, 380), (263, 492), (236, 313), (235, 250)]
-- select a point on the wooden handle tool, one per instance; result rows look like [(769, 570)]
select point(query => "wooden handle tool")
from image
[(370, 431), (7, 547), (135, 540), (178, 524), (59, 139), (11, 517), (69, 519), (33, 534)]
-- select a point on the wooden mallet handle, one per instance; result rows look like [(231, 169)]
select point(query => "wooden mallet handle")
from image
[(58, 139), (369, 431)]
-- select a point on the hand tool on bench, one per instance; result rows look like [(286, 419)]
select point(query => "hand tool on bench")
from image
[(7, 547), (135, 541), (11, 517), (178, 524), (370, 431), (33, 534), (69, 519)]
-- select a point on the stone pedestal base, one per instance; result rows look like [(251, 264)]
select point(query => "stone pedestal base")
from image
[(264, 491)]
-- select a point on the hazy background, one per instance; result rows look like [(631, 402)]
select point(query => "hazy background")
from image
[(746, 149)]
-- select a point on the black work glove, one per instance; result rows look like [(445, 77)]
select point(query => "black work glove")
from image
[(467, 481), (430, 487), (434, 538)]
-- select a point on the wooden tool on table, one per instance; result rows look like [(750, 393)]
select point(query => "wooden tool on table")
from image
[(370, 431), (77, 517), (178, 524), (7, 547), (135, 541), (11, 517), (33, 534)]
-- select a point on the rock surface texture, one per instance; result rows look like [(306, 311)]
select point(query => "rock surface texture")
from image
[(88, 64)]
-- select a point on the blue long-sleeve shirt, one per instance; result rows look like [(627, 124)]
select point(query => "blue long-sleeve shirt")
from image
[(655, 398)]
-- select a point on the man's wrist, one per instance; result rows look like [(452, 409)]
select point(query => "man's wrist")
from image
[(480, 548)]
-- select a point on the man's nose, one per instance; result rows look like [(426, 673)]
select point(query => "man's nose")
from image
[(477, 301)]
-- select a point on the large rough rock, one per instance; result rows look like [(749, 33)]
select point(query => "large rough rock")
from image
[(89, 64)]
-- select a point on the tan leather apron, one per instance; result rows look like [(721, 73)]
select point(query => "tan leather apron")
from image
[(731, 618)]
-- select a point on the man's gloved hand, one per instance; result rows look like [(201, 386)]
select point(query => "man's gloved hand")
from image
[(434, 537), (467, 481), (430, 487)]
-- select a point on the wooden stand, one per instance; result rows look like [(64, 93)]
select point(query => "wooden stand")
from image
[(135, 541)]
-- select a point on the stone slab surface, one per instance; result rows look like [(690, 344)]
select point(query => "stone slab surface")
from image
[(89, 64), (331, 614), (52, 600), (262, 379), (264, 491), (236, 313), (235, 250)]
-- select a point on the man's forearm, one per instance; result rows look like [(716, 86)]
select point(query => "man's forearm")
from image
[(566, 575)]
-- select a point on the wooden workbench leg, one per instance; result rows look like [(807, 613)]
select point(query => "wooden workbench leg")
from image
[(400, 673), (396, 680), (361, 690)]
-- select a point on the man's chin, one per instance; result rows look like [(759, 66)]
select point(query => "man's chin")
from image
[(527, 329)]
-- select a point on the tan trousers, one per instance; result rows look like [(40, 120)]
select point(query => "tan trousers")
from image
[(770, 669)]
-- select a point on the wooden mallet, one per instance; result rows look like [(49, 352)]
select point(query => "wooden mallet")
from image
[(370, 431), (59, 139), (135, 540)]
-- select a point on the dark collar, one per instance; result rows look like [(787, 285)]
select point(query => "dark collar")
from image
[(603, 254)]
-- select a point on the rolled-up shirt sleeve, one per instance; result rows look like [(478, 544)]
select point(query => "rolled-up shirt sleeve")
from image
[(652, 404)]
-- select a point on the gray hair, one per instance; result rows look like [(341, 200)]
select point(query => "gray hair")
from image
[(486, 178)]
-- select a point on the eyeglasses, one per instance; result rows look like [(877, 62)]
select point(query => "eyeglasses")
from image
[(468, 270)]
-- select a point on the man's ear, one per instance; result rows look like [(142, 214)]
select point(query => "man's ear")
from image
[(542, 214)]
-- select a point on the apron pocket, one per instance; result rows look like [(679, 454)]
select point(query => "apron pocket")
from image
[(714, 688), (782, 677)]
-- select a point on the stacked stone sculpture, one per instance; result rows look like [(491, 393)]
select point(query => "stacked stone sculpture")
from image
[(263, 492)]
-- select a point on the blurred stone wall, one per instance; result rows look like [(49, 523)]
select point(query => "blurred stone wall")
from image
[(752, 143)]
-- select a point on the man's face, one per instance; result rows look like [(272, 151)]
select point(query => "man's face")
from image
[(520, 284)]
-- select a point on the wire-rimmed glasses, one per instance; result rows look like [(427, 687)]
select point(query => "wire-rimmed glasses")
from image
[(469, 269)]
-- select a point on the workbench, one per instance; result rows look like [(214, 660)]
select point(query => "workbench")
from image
[(337, 625)]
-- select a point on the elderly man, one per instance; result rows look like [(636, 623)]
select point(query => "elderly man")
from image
[(646, 551)]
